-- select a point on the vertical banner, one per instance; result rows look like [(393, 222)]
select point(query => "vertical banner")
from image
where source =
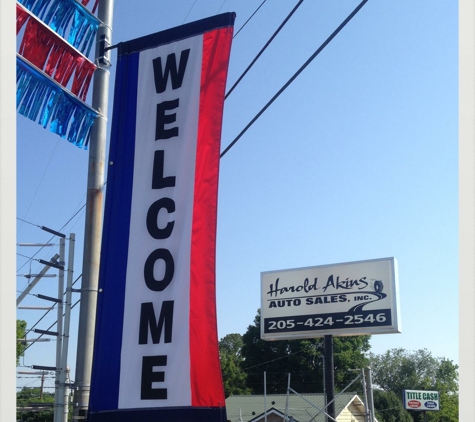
[(156, 348)]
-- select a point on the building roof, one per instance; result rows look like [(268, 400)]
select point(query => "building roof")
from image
[(251, 408)]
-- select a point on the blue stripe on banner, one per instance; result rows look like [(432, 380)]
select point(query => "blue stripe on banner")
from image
[(162, 414), (110, 310), (177, 33)]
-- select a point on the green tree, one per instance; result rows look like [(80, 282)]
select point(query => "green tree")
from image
[(388, 407), (303, 359), (34, 396), (20, 334), (399, 369), (234, 378)]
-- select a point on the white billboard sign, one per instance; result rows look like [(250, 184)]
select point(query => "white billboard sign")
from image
[(352, 298), (420, 400)]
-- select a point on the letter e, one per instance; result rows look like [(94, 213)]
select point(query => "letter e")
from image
[(149, 377)]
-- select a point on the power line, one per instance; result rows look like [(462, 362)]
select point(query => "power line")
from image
[(41, 180), (273, 360), (326, 42), (245, 23), (189, 11), (220, 7), (52, 237), (265, 46), (46, 313)]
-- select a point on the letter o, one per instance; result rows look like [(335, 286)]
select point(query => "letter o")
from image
[(152, 217), (150, 281)]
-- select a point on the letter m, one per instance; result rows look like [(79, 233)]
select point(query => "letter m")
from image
[(171, 71), (147, 319)]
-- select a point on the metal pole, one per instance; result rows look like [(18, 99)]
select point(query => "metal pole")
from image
[(42, 384), (265, 397), (93, 225), (369, 394), (287, 398), (66, 394), (324, 389), (329, 376), (365, 396), (58, 396), (67, 319)]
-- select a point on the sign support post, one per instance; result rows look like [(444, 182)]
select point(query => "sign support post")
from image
[(329, 376)]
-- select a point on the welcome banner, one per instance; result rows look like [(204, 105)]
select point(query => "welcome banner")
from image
[(156, 348)]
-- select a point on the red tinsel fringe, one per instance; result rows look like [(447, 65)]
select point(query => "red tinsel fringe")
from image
[(21, 17), (50, 53)]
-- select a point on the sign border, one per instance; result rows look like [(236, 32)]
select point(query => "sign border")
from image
[(394, 328)]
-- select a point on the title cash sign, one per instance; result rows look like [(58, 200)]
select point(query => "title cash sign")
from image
[(420, 400), (352, 298)]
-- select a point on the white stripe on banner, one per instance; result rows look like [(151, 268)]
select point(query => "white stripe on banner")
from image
[(179, 162)]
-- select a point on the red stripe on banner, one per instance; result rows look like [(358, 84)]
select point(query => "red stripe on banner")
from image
[(205, 371)]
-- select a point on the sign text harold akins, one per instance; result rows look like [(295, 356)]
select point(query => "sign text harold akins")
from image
[(336, 287), (164, 129)]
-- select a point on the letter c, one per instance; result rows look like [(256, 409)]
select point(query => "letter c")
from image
[(152, 217)]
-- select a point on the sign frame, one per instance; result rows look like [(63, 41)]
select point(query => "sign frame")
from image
[(420, 400), (315, 301)]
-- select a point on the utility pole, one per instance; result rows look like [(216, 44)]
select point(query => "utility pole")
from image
[(42, 385), (369, 393), (365, 395), (93, 225), (64, 378), (59, 343)]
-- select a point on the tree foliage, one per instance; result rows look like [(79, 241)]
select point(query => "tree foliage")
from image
[(389, 408), (399, 369), (28, 396), (20, 334), (303, 359), (234, 378)]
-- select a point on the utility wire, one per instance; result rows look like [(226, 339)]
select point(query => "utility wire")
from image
[(220, 7), (46, 313), (273, 360), (189, 11), (52, 237), (327, 41), (265, 46), (39, 184), (245, 23)]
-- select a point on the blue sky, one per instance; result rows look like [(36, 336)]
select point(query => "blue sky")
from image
[(356, 160)]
